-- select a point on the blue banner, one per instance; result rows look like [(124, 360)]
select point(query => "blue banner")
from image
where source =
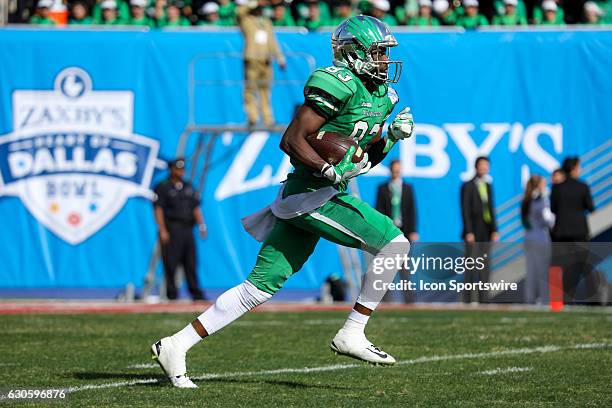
[(86, 117)]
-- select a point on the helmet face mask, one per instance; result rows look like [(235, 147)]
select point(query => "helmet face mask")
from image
[(362, 44)]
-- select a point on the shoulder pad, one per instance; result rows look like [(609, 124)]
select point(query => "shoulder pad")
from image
[(329, 89)]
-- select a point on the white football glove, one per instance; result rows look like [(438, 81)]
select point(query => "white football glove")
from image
[(402, 126), (346, 169)]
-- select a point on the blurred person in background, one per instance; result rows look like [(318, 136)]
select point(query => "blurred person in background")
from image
[(520, 8), (471, 18), (41, 15), (443, 11), (138, 17), (227, 12), (158, 12), (281, 14), (260, 48), (79, 14), (510, 17), (314, 18), (210, 15), (342, 10), (592, 13), (174, 16), (606, 8), (177, 209), (395, 199), (479, 225), (557, 176), (425, 17), (380, 10), (122, 11), (570, 201), (405, 10), (302, 12), (537, 220), (548, 13), (187, 10), (109, 14)]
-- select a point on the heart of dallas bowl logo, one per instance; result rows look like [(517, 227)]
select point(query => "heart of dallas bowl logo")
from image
[(72, 157)]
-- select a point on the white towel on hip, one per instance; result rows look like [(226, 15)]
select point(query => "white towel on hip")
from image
[(260, 224)]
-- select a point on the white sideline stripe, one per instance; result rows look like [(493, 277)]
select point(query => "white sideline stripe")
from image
[(335, 367), (506, 370)]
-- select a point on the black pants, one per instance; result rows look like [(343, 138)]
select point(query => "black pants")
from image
[(572, 255), (181, 250), (476, 250)]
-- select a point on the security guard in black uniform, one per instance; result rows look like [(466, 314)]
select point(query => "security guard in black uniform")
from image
[(177, 210)]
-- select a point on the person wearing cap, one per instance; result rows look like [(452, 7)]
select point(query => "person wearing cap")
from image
[(79, 14), (177, 210), (314, 19), (553, 9), (210, 15), (260, 48), (550, 16), (592, 13), (443, 11), (227, 13), (138, 17), (380, 10), (510, 17), (520, 8), (41, 16), (281, 14), (122, 12), (173, 16), (425, 17), (342, 10), (109, 13), (471, 18)]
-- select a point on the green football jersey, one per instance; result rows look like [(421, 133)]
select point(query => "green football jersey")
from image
[(349, 108)]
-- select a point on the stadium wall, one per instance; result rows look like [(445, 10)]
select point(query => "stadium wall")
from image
[(87, 117)]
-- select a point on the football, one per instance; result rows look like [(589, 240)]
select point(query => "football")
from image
[(332, 146)]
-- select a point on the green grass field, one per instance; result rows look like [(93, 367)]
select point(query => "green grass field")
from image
[(446, 358)]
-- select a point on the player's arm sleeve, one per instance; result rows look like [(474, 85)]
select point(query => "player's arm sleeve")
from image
[(392, 100), (376, 152), (326, 94)]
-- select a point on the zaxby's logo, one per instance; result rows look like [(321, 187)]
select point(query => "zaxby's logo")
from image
[(72, 157)]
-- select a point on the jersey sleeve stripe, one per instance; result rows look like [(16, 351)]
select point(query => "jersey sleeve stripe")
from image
[(322, 101)]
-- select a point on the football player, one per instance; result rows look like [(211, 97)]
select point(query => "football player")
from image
[(352, 97)]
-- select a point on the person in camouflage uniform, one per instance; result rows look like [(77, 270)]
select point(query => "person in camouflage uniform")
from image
[(351, 97)]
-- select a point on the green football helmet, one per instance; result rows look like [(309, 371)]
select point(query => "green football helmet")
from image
[(359, 44)]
